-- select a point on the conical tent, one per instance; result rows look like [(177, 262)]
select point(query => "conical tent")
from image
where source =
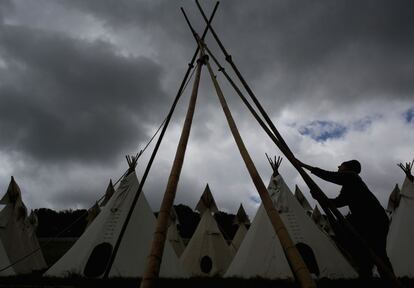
[(321, 221), (110, 190), (207, 253), (242, 220), (394, 199), (173, 235), (92, 213), (5, 262), (400, 239), (17, 233), (89, 256), (261, 254), (302, 200), (96, 208), (207, 202)]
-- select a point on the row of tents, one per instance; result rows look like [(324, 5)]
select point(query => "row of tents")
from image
[(255, 250)]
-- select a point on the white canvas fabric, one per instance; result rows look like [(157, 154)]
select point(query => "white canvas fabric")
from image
[(394, 199), (173, 235), (207, 253), (242, 220), (321, 221), (261, 254), (110, 190), (207, 246), (400, 239), (89, 255), (18, 233), (303, 201), (206, 202), (239, 237), (5, 262)]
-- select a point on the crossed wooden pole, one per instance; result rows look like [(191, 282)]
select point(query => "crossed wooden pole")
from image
[(294, 258)]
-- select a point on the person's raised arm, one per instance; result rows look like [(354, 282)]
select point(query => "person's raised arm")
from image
[(339, 178)]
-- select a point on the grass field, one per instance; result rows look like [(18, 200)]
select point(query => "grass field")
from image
[(37, 281)]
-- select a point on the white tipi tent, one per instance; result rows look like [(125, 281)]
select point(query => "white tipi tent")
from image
[(90, 254), (400, 239), (303, 201), (173, 235), (207, 253), (5, 263), (242, 220), (394, 199), (96, 208), (322, 222), (261, 254), (17, 233)]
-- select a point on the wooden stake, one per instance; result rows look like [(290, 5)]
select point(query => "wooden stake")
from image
[(154, 259)]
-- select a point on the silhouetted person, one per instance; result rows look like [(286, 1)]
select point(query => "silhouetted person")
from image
[(367, 215)]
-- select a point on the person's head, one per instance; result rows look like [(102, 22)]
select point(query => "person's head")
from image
[(352, 165)]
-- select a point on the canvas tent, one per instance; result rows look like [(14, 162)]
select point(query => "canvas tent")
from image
[(5, 262), (321, 221), (96, 208), (303, 201), (400, 239), (18, 233), (89, 256), (243, 222), (261, 254), (207, 253), (110, 190), (173, 235), (394, 199)]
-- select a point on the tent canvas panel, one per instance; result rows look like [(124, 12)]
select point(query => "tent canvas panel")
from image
[(401, 234), (133, 251)]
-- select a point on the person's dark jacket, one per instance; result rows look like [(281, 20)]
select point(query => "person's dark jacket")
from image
[(367, 213)]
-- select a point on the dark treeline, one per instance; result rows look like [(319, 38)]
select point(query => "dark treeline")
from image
[(52, 223)]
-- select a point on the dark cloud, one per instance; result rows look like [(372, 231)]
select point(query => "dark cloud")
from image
[(336, 49), (89, 98), (5, 7), (65, 98)]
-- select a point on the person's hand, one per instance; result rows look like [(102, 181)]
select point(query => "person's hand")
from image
[(299, 163)]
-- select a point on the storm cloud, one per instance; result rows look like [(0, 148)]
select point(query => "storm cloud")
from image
[(82, 83)]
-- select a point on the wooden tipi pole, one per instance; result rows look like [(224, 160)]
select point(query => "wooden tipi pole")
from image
[(154, 259), (316, 192), (295, 260), (154, 152)]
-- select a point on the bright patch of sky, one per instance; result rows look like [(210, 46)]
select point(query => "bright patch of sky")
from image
[(255, 199), (409, 115), (321, 130)]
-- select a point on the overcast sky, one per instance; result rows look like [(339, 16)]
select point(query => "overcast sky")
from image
[(84, 83)]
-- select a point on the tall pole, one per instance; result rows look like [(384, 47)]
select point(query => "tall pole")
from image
[(295, 260), (154, 152), (154, 259), (316, 192)]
